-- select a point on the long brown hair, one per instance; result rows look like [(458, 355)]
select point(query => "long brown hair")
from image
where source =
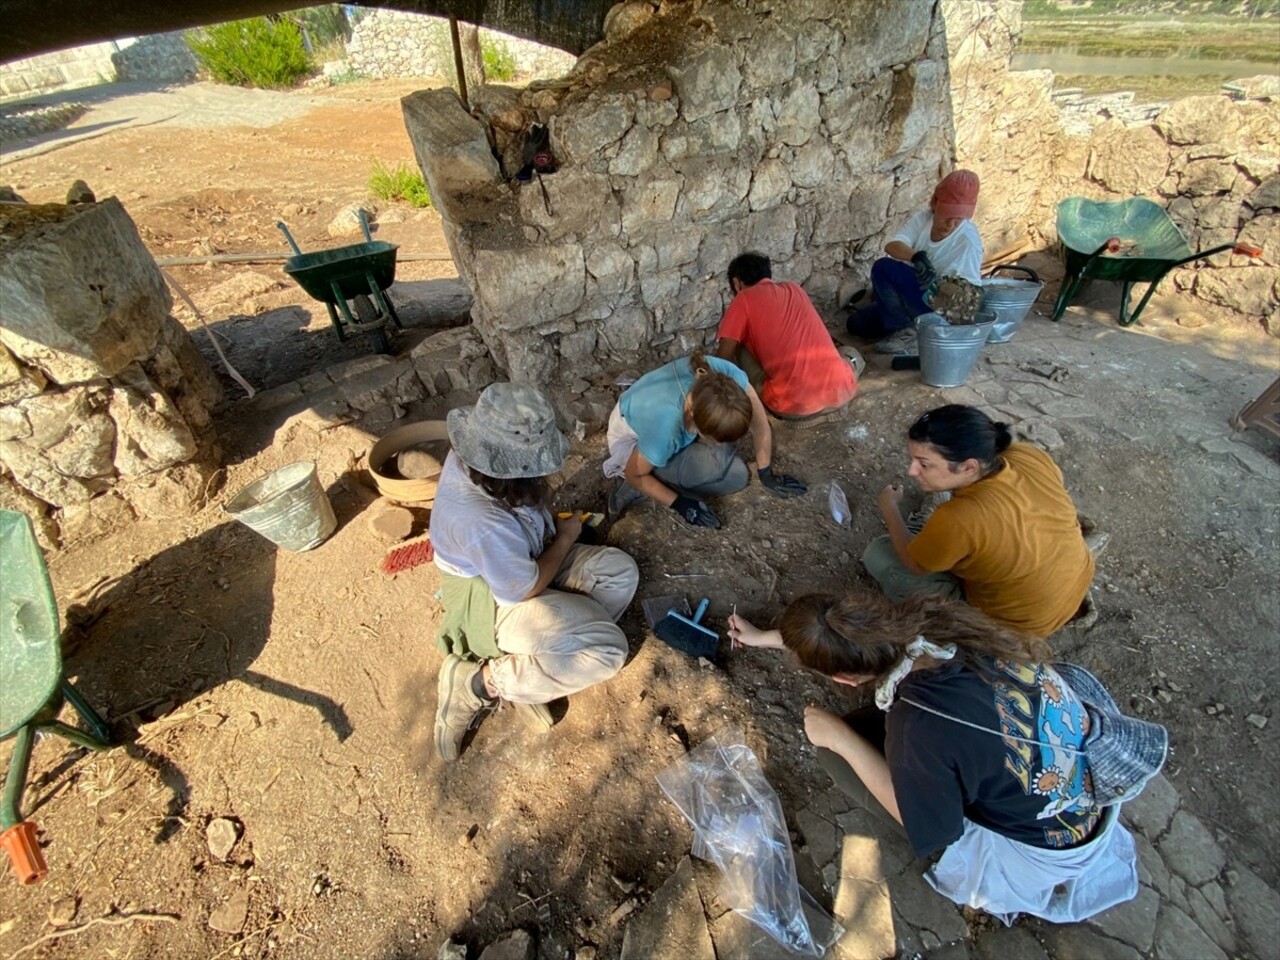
[(516, 492), (720, 408), (866, 634)]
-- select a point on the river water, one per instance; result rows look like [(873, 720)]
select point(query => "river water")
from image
[(1070, 64)]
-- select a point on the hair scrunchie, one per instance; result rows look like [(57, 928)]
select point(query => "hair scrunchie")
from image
[(887, 688)]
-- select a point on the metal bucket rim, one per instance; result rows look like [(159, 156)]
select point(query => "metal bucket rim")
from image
[(256, 491)]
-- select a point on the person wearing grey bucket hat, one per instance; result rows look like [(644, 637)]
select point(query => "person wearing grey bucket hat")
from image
[(530, 614), (1008, 766)]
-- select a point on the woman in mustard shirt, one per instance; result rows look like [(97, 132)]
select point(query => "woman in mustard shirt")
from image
[(1007, 539)]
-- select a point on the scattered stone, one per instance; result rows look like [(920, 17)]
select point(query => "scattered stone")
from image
[(352, 806), (221, 835), (1190, 850), (622, 911), (63, 912), (1191, 319), (1164, 696), (517, 945), (587, 952), (9, 195), (626, 886), (1257, 719), (452, 951), (388, 522), (674, 923), (80, 193), (417, 464), (466, 838), (230, 917), (347, 221)]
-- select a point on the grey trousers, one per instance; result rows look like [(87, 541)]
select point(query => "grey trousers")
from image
[(705, 470), (898, 582)]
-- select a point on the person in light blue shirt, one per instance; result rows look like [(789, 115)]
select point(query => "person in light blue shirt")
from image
[(673, 438)]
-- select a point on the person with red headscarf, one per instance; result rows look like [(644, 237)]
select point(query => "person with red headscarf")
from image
[(938, 242)]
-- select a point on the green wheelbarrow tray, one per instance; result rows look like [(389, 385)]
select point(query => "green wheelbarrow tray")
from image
[(32, 687), (1131, 241), (359, 273)]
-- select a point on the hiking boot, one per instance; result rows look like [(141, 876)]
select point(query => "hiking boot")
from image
[(458, 709), (855, 357), (623, 496), (536, 717), (901, 344), (920, 516)]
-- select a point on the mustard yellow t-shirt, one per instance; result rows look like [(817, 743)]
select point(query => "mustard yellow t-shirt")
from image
[(1014, 540)]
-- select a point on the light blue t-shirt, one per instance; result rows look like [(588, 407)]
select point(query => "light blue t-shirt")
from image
[(653, 407)]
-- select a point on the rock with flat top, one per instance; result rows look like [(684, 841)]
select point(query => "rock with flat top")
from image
[(230, 917), (673, 924), (221, 834), (389, 523)]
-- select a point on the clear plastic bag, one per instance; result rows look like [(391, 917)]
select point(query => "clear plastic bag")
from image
[(838, 503), (738, 825)]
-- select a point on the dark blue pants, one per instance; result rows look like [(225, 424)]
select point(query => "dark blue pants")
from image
[(898, 301)]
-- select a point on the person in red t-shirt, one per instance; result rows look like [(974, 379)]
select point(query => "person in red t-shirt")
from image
[(776, 324)]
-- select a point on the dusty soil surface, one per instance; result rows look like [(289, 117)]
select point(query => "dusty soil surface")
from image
[(294, 693)]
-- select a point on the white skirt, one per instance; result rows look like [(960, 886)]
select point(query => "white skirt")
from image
[(1004, 877), (621, 440)]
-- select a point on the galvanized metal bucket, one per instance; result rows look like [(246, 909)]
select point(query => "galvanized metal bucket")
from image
[(288, 506), (1010, 299), (948, 353)]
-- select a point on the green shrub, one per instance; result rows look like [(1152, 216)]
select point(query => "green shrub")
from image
[(499, 61), (252, 53), (400, 183), (325, 24)]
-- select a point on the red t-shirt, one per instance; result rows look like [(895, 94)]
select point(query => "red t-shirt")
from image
[(804, 373)]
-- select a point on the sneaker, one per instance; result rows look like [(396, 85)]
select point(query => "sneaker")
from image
[(901, 344), (458, 709), (930, 503), (855, 357), (536, 717), (623, 496)]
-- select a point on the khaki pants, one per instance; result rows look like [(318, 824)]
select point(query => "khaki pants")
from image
[(566, 638), (898, 582)]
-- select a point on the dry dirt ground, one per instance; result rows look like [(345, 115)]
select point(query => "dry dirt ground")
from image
[(294, 693)]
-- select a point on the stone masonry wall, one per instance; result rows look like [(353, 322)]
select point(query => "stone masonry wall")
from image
[(388, 43), (104, 400), (1212, 161), (162, 58), (804, 130)]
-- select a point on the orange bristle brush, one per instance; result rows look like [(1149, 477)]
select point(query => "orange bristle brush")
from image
[(405, 556)]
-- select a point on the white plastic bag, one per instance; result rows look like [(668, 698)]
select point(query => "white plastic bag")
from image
[(738, 825)]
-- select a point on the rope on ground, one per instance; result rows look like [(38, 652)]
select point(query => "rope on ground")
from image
[(235, 374)]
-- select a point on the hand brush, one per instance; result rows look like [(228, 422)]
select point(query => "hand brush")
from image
[(405, 556), (688, 636)]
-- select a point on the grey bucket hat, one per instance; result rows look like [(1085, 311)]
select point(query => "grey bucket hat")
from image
[(509, 433), (1123, 752)]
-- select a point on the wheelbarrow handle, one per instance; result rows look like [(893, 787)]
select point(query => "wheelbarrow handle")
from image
[(289, 236), (1014, 266), (1247, 250), (1110, 245), (1241, 248), (364, 225)]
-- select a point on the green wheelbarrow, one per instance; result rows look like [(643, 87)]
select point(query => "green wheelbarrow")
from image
[(1132, 241), (32, 687), (350, 281)]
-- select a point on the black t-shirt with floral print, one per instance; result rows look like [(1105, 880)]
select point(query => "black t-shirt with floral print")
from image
[(944, 772)]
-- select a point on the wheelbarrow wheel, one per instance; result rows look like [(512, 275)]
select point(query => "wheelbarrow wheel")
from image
[(367, 313)]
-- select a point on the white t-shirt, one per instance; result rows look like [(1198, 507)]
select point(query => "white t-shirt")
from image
[(956, 255), (475, 535)]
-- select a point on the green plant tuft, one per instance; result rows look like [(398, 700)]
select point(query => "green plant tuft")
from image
[(401, 183), (252, 53), (499, 61)]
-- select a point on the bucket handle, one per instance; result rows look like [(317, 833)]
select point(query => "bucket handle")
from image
[(1013, 266)]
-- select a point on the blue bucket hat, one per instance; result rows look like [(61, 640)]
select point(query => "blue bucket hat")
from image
[(1123, 752)]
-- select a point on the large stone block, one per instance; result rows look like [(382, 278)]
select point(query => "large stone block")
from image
[(626, 330), (80, 297), (610, 269), (649, 204), (881, 33), (772, 232), (1127, 160), (453, 360), (797, 113), (673, 924), (453, 152), (577, 201), (1248, 290), (707, 83), (769, 185), (1199, 120), (150, 432), (580, 137), (525, 287)]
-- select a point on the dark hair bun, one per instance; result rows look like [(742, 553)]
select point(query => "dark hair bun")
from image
[(1003, 436)]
